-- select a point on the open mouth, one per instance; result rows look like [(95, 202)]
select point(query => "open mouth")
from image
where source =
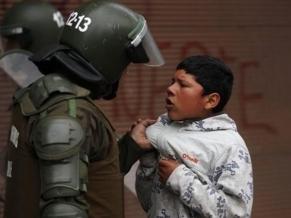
[(169, 103)]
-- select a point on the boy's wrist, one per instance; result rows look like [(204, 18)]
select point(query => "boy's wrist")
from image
[(175, 177)]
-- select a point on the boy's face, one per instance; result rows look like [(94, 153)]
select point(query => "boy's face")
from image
[(185, 99)]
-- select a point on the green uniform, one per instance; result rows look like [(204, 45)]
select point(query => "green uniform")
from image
[(63, 157)]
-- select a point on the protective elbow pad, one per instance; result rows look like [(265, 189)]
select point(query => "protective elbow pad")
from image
[(57, 142)]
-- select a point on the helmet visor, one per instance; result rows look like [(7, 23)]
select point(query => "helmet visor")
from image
[(7, 44), (10, 38), (18, 67), (142, 35), (152, 50)]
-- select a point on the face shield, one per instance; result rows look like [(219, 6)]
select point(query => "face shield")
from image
[(142, 47), (17, 66)]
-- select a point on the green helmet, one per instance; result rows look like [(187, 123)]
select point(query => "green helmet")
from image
[(32, 25), (110, 36)]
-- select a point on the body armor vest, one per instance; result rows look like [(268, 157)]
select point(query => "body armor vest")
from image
[(55, 96)]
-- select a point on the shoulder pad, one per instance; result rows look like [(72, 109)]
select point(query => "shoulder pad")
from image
[(19, 93), (57, 137), (41, 90), (40, 95)]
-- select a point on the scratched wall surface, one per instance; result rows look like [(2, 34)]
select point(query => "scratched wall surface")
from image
[(253, 38)]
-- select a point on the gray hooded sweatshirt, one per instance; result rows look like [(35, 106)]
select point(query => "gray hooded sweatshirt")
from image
[(214, 178)]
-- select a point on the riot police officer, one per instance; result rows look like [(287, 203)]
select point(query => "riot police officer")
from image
[(25, 28), (63, 156), (30, 25)]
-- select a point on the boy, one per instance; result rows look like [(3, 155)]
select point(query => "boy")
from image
[(204, 167)]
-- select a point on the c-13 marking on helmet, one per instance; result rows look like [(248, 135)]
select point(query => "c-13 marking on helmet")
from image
[(110, 36), (80, 23)]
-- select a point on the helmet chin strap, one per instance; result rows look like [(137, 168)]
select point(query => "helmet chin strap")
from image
[(76, 67)]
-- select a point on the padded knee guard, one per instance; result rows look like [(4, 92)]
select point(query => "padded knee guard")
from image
[(63, 167)]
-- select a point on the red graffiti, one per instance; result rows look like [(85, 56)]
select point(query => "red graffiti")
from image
[(249, 98)]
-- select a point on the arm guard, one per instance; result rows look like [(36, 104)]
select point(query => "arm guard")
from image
[(63, 167)]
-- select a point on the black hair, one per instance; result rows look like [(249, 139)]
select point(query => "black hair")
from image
[(212, 74)]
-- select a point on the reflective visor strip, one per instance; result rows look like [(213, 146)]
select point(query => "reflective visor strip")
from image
[(7, 31), (142, 29)]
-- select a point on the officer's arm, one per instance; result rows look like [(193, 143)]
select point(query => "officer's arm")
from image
[(129, 153), (63, 168), (134, 144)]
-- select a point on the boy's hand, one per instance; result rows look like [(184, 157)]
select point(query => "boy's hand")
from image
[(137, 132), (166, 167)]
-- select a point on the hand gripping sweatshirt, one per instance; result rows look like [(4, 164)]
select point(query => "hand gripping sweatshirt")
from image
[(214, 178)]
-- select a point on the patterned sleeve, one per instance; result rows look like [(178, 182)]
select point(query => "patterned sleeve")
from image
[(227, 193), (144, 178)]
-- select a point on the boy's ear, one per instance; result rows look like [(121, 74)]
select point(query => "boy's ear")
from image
[(212, 101)]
